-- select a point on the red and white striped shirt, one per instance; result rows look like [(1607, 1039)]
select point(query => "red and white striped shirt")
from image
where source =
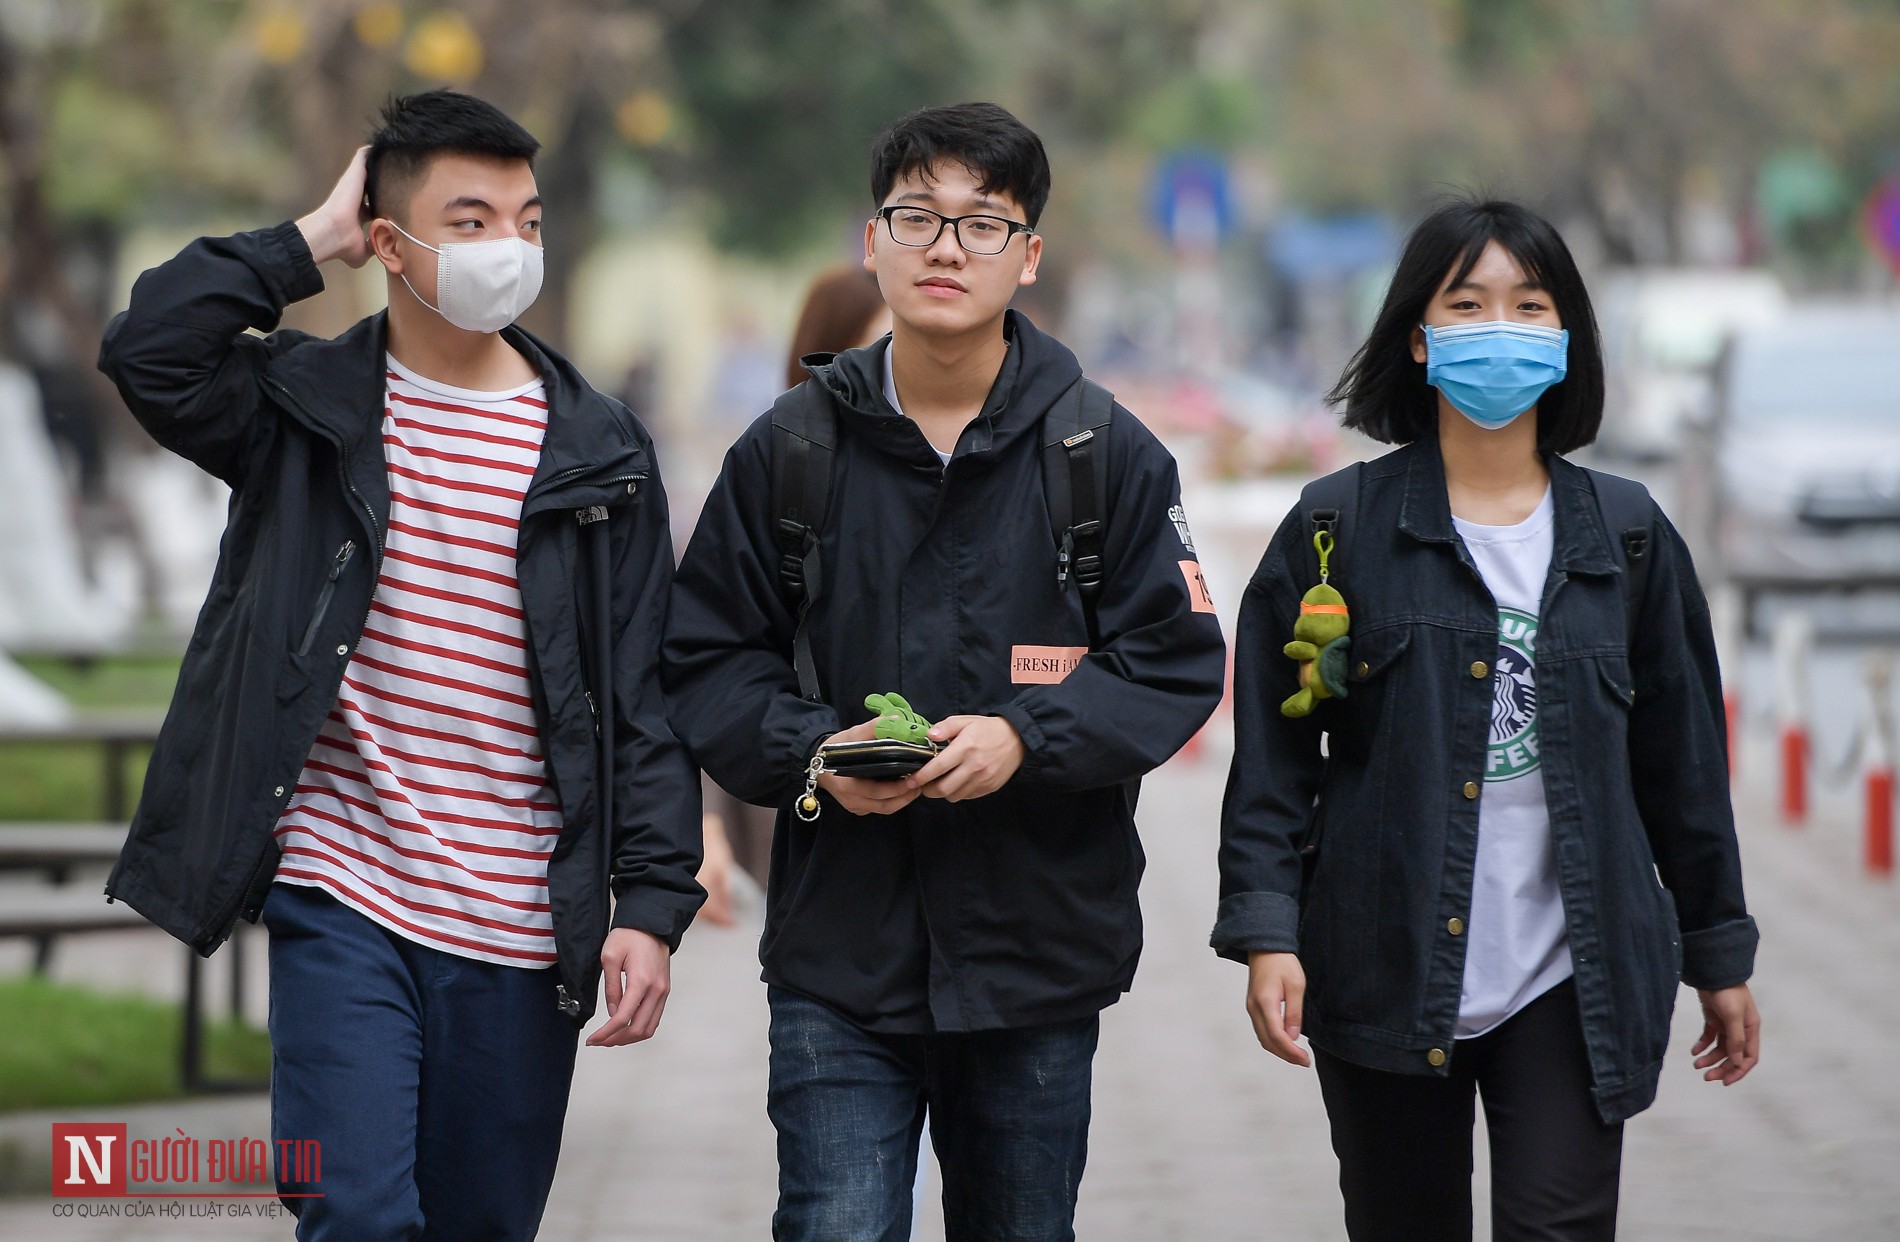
[(425, 803)]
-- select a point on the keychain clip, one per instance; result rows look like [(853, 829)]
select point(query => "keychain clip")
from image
[(808, 807)]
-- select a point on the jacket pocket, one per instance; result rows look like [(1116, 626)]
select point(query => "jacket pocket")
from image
[(1374, 652), (1615, 672), (325, 595), (1372, 661)]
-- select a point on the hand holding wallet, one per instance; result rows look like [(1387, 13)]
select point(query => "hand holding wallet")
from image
[(901, 746)]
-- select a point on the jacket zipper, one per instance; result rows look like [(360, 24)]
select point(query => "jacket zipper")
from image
[(221, 927), (349, 484), (537, 501), (569, 1003), (343, 555)]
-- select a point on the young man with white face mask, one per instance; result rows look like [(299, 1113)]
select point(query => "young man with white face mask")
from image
[(418, 731)]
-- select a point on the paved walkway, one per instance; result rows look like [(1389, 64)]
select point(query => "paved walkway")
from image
[(1198, 1134)]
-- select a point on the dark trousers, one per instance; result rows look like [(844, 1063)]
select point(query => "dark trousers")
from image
[(1404, 1141), (435, 1084), (1009, 1118)]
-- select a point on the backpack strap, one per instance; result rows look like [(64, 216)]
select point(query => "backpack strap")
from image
[(804, 441), (1075, 486), (1330, 504), (1629, 516)]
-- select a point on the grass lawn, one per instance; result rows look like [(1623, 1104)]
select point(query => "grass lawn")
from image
[(53, 782), (120, 682), (70, 1047)]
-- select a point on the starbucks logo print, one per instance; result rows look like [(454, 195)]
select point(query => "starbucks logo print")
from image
[(1513, 750)]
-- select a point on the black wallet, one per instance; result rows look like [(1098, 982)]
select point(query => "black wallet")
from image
[(878, 760)]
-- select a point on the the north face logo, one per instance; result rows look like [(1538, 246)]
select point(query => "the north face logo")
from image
[(1178, 516)]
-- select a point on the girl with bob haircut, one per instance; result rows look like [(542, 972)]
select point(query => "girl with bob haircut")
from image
[(1478, 821)]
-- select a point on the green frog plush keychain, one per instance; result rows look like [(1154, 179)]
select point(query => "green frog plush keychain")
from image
[(1319, 641)]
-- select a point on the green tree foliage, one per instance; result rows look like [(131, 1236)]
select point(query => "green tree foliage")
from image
[(785, 97), (753, 116)]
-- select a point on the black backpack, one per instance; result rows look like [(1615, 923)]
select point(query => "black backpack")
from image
[(1074, 481)]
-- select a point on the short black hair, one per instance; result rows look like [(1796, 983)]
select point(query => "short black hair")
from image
[(982, 137), (417, 128), (1383, 388)]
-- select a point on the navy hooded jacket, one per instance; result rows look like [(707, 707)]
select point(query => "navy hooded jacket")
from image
[(1010, 910)]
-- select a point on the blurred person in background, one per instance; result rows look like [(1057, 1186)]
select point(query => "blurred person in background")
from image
[(843, 310), (946, 940), (745, 374), (383, 738), (1481, 865)]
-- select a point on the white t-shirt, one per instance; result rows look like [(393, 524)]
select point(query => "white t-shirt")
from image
[(1516, 946), (890, 395)]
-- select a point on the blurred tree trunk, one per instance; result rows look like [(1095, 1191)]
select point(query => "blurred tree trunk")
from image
[(568, 181), (35, 281)]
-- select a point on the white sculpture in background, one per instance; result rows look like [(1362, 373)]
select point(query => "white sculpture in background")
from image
[(178, 512), (27, 702), (45, 599)]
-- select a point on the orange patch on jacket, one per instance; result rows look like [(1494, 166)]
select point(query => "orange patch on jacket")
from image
[(1042, 666), (1198, 598)]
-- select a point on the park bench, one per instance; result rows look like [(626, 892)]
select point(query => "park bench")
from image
[(116, 734), (45, 913)]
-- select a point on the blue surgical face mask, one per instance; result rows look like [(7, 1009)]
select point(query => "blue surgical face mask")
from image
[(1492, 372)]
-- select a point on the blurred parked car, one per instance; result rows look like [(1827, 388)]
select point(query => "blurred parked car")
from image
[(1663, 330), (1795, 479)]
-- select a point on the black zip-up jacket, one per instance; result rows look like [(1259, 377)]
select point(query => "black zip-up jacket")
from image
[(1635, 761), (1010, 910), (293, 424)]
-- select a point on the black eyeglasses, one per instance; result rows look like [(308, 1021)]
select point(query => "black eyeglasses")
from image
[(920, 226)]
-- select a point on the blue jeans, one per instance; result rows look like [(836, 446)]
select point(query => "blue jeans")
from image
[(1009, 1118), (436, 1084)]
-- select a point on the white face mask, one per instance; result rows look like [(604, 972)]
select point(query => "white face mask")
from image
[(482, 286)]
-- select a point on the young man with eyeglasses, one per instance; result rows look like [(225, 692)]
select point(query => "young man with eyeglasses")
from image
[(944, 942), (418, 731)]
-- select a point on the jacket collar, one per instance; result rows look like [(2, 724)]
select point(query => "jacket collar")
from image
[(1580, 546), (336, 387), (1036, 370)]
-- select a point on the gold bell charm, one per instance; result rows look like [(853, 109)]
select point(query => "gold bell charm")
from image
[(807, 807)]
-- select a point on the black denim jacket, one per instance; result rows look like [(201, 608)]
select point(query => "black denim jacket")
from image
[(1386, 807)]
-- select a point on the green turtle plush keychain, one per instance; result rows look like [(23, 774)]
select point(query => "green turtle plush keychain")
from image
[(901, 744), (1319, 641)]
